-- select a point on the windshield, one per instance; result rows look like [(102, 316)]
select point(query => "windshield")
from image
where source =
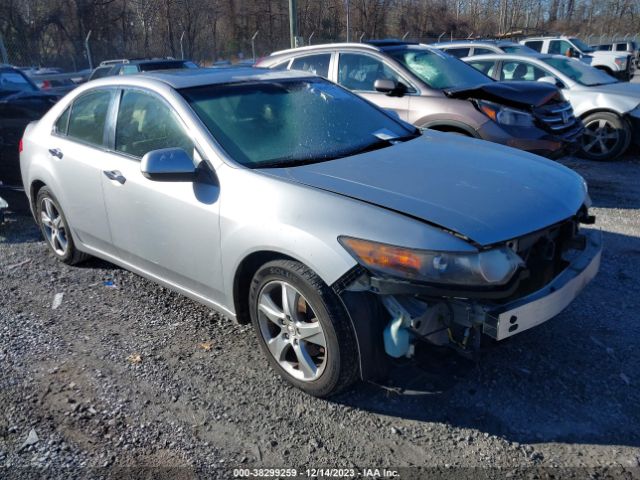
[(439, 70), (583, 47), (291, 122), (518, 49), (579, 71), (15, 82)]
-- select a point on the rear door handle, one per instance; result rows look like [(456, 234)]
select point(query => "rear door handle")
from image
[(115, 175), (56, 152)]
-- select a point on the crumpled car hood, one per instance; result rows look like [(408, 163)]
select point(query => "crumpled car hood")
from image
[(486, 192), (515, 94)]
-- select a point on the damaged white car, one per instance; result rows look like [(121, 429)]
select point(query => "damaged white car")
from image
[(344, 234)]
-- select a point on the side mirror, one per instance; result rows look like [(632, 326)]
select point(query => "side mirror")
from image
[(168, 165), (390, 87), (552, 80)]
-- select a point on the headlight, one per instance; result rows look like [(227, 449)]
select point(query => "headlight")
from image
[(490, 267), (505, 115)]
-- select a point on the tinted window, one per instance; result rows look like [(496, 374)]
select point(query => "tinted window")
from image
[(535, 45), (437, 69), (485, 66), (290, 121), (458, 52), (281, 66), (88, 117), (517, 48), (128, 70), (359, 72), (178, 64), (482, 51), (317, 64), (13, 81), (60, 126), (521, 71), (559, 47), (621, 47), (146, 123), (101, 72)]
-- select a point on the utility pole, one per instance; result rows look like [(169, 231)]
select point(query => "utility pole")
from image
[(181, 47), (253, 45), (293, 22), (348, 26), (88, 49)]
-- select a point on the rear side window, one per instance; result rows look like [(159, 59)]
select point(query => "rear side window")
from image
[(485, 66), (60, 127), (145, 123), (101, 72), (317, 64), (128, 70), (88, 117), (458, 52), (621, 47), (535, 44), (482, 51)]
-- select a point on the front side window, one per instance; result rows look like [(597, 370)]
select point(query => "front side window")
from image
[(316, 64), (482, 51), (360, 72), (290, 122), (458, 52), (534, 45), (437, 69), (621, 47), (559, 47), (145, 123), (88, 117), (521, 71)]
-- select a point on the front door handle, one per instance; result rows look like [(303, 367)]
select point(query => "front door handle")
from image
[(56, 152), (115, 175)]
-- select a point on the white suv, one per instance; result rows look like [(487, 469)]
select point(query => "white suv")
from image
[(617, 64)]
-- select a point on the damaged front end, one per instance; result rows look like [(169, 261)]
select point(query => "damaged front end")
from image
[(550, 268)]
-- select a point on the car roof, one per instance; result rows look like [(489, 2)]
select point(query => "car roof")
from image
[(506, 56), (497, 43), (209, 76)]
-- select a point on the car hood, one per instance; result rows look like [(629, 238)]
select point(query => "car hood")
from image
[(515, 94), (485, 192), (625, 89)]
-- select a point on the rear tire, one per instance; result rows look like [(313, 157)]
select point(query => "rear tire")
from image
[(606, 136), (55, 228), (303, 328)]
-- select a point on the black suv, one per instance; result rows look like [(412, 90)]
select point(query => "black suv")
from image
[(137, 65)]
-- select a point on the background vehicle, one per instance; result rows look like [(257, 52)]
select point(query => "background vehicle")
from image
[(470, 48), (432, 90), (21, 102), (609, 109), (58, 83), (129, 67), (629, 46), (210, 192), (613, 63)]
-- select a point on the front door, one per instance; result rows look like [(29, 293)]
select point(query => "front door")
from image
[(168, 229)]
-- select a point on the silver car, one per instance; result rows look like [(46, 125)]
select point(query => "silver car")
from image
[(278, 198), (609, 109)]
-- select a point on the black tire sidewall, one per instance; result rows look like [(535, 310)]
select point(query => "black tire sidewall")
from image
[(43, 193), (620, 125), (294, 273)]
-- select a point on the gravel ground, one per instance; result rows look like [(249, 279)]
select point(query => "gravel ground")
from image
[(102, 369)]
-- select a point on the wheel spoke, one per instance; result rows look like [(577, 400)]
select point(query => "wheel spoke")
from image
[(603, 147), (602, 124), (62, 240), (277, 346), (312, 333), (591, 144), (289, 300), (57, 222), (46, 221), (305, 362), (48, 206), (270, 309)]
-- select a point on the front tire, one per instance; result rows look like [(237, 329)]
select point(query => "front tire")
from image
[(303, 328), (606, 136), (55, 228)]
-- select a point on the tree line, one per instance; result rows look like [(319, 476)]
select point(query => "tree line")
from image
[(53, 32)]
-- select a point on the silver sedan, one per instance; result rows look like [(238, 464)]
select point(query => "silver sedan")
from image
[(278, 198), (610, 109)]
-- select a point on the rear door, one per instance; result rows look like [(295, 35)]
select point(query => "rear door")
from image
[(358, 73), (169, 230), (77, 148)]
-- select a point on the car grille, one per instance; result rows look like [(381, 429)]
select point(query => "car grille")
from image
[(558, 118)]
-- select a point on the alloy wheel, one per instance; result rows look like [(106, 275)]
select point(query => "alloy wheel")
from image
[(53, 226), (292, 331), (600, 137)]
